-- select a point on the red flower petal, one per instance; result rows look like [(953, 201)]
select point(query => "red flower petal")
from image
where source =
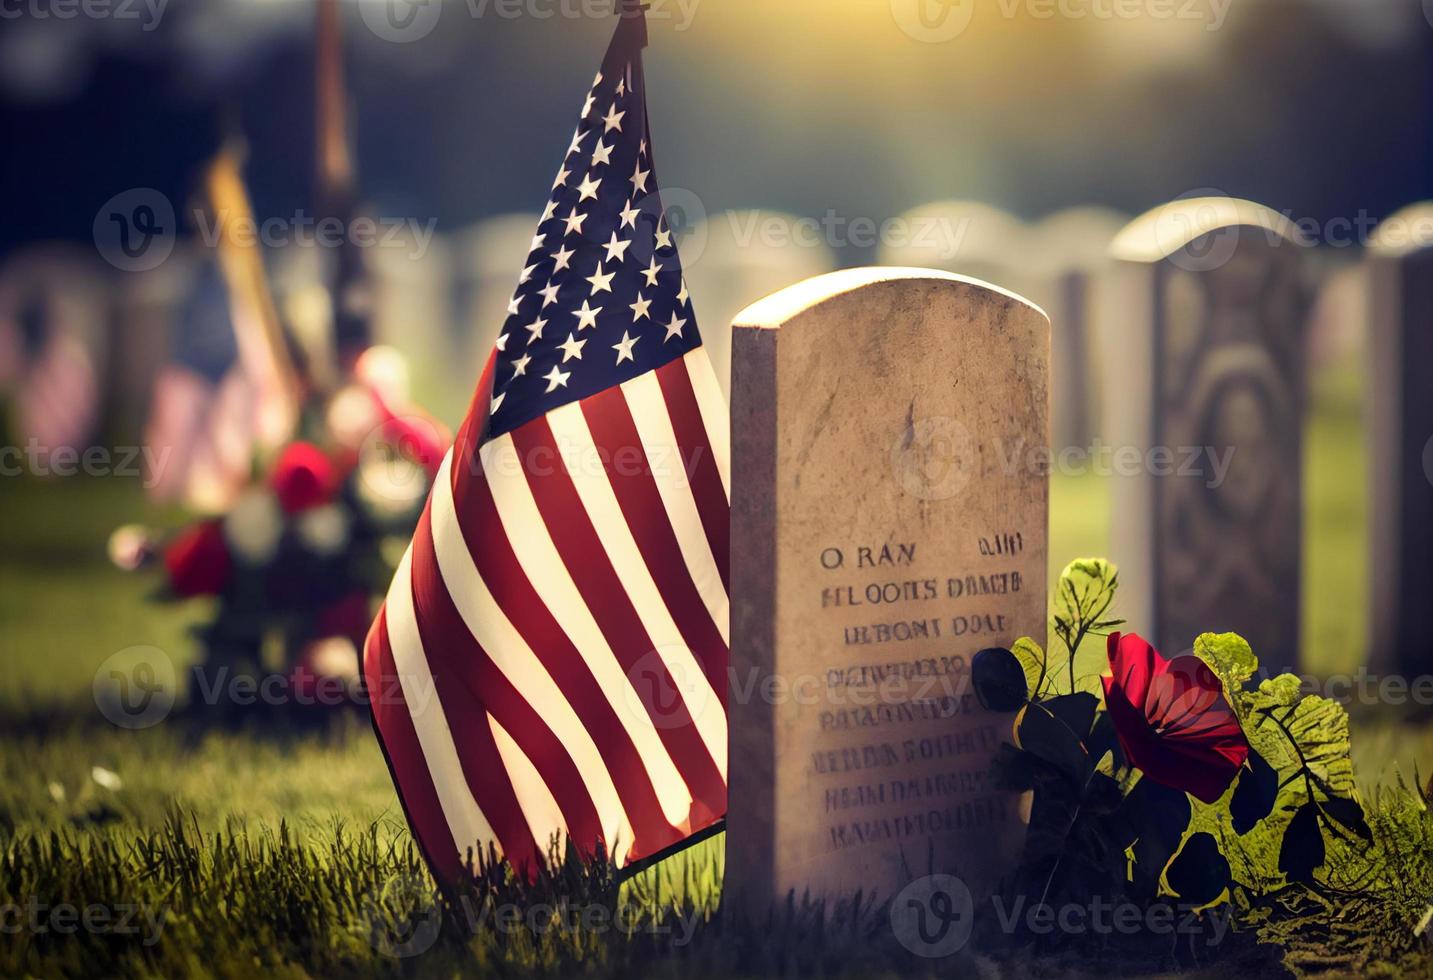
[(198, 560), (1172, 719), (303, 477)]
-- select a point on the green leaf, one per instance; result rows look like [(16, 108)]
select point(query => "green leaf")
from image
[(1349, 813), (1254, 796), (1158, 817), (1077, 711), (1085, 591), (1036, 663), (1318, 727), (1303, 848), (1282, 690), (999, 680), (1103, 738), (1041, 733), (1082, 599), (1013, 770), (1199, 873), (1229, 656)]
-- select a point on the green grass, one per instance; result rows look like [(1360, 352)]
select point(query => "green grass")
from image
[(278, 846)]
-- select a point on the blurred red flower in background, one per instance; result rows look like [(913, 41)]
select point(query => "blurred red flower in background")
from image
[(303, 477), (1172, 719), (198, 560)]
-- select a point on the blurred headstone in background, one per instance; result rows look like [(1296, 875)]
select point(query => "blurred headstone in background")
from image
[(414, 311), (146, 305), (1204, 409), (1400, 294), (56, 304), (967, 238), (1070, 254), (296, 273), (734, 258), (487, 258), (1338, 316)]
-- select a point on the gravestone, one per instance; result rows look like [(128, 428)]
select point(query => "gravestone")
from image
[(1069, 254), (414, 311), (734, 258), (1400, 293), (968, 238), (145, 306), (1203, 407), (1338, 314), (887, 524), (486, 260)]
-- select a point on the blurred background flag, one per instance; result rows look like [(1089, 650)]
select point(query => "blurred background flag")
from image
[(550, 661), (231, 388)]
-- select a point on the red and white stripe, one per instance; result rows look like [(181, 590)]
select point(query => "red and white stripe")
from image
[(551, 657)]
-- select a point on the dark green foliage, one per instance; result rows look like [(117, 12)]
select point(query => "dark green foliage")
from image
[(1254, 794), (999, 680), (1199, 873), (1156, 816), (1303, 848), (1046, 735)]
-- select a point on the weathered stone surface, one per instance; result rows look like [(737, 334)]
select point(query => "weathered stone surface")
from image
[(889, 520), (1203, 378), (1400, 293)]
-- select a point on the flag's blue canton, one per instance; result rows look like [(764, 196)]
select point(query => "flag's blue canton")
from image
[(601, 297)]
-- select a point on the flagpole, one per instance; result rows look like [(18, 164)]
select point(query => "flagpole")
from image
[(634, 13), (637, 867), (263, 351), (336, 190)]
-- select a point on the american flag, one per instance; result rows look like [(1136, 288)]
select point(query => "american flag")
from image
[(550, 661)]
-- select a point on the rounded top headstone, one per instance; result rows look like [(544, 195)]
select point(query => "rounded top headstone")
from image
[(1169, 228), (1407, 230), (1076, 238), (955, 235), (771, 312)]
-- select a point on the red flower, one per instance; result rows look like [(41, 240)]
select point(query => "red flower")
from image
[(303, 477), (348, 617), (419, 438), (198, 560), (1172, 719)]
